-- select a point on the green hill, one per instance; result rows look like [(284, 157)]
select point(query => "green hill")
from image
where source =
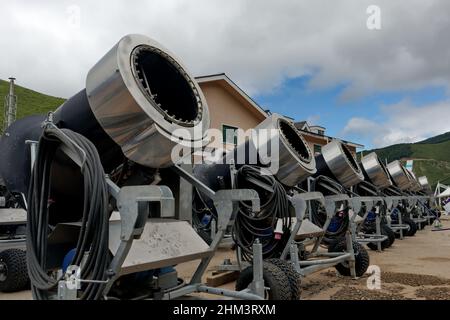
[(28, 101), (431, 156)]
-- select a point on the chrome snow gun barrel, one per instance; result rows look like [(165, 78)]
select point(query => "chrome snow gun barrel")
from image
[(280, 147), (336, 161), (375, 171), (139, 102), (399, 175)]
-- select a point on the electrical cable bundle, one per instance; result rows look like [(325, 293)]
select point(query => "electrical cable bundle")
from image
[(365, 189), (92, 252), (215, 177), (250, 225), (394, 191), (202, 216), (339, 223)]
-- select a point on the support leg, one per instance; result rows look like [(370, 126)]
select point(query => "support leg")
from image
[(400, 222), (258, 278), (378, 230), (350, 250)]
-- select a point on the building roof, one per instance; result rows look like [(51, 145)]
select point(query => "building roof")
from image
[(316, 127), (304, 127), (300, 125), (329, 138), (230, 84)]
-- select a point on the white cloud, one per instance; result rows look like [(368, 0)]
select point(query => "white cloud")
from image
[(258, 43), (313, 119), (404, 123)]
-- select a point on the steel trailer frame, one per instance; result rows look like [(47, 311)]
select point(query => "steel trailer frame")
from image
[(369, 203), (301, 202), (392, 202), (422, 206)]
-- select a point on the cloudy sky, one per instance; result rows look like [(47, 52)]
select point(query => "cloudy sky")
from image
[(312, 60)]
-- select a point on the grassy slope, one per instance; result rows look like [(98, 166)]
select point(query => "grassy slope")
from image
[(28, 101), (434, 170), (436, 151)]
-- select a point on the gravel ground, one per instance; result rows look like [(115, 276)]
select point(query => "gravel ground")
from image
[(414, 280), (414, 268), (436, 293), (354, 293)]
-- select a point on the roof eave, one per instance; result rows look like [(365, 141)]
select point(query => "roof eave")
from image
[(224, 77)]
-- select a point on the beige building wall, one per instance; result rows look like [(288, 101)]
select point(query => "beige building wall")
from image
[(313, 140), (227, 107)]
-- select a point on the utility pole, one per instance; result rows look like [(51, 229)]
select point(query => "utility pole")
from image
[(10, 106)]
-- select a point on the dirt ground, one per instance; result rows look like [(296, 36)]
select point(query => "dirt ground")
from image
[(414, 268)]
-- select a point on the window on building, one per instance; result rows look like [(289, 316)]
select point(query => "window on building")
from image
[(229, 134), (321, 132), (317, 148)]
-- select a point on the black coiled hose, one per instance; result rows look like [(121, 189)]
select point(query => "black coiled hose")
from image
[(366, 189), (328, 186), (201, 209), (92, 246), (250, 225)]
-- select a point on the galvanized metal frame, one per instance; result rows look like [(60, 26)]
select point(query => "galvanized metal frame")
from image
[(329, 259), (425, 211), (391, 203), (369, 202), (17, 216)]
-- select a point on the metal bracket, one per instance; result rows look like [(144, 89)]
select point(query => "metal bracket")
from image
[(300, 203), (133, 218)]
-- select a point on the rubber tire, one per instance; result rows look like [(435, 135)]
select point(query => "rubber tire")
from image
[(274, 278), (334, 243), (293, 276), (390, 233), (385, 231), (374, 246), (384, 244), (362, 260), (17, 274), (412, 226), (422, 225), (205, 236)]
